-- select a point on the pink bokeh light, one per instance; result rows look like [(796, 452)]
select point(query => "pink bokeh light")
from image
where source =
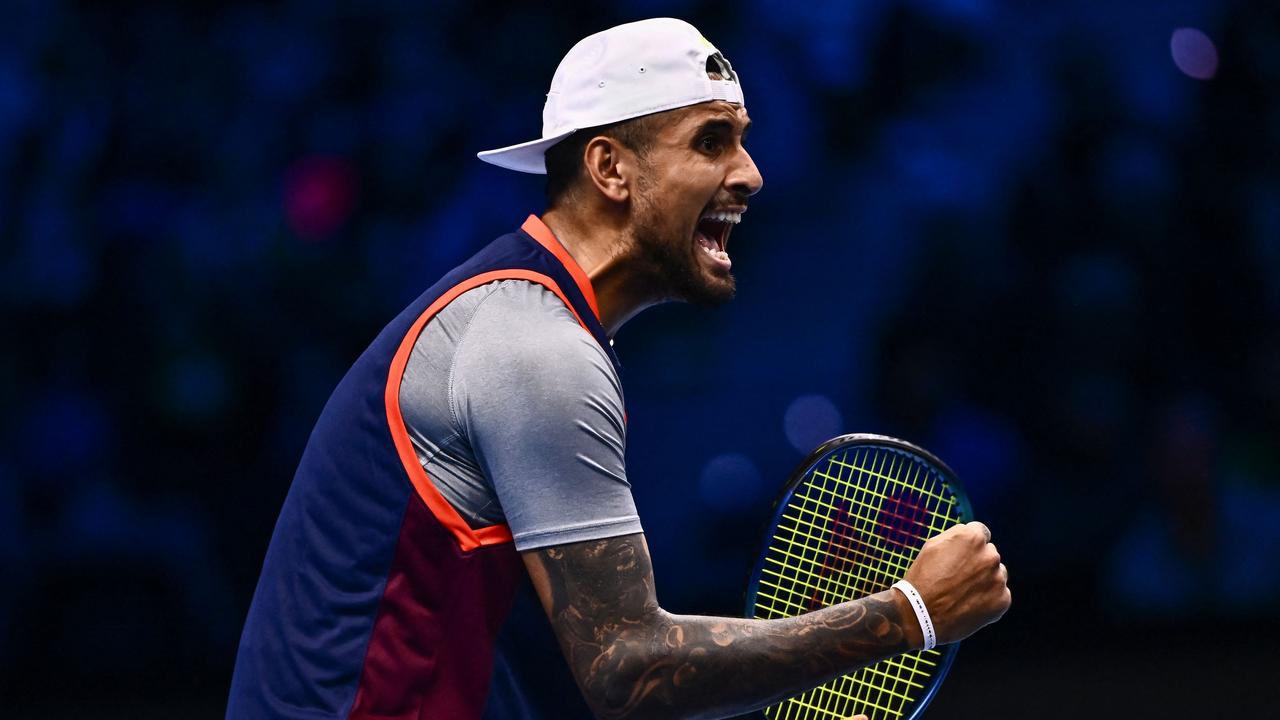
[(1194, 53), (319, 195)]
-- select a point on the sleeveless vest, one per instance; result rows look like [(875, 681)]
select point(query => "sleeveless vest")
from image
[(376, 598)]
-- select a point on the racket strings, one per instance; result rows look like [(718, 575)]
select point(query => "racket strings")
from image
[(798, 554), (855, 690), (850, 529)]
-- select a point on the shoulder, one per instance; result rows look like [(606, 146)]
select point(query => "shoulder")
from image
[(526, 322), (523, 338), (525, 300)]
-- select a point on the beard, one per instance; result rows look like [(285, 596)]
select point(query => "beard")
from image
[(671, 260)]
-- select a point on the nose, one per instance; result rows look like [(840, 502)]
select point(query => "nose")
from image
[(744, 179)]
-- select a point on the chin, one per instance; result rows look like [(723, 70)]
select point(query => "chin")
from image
[(677, 266), (711, 293)]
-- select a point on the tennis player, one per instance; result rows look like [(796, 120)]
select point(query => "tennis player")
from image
[(477, 445)]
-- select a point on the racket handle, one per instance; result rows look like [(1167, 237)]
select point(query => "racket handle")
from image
[(922, 612)]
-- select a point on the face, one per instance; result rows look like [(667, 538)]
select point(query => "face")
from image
[(692, 189)]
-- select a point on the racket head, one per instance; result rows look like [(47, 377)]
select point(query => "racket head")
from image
[(848, 523)]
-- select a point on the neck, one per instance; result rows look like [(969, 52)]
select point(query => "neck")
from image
[(600, 244)]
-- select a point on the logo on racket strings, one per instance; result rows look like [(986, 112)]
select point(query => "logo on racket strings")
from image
[(861, 561)]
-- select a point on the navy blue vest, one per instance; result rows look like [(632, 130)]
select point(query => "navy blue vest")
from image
[(376, 598)]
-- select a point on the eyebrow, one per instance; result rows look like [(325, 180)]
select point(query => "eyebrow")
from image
[(721, 126)]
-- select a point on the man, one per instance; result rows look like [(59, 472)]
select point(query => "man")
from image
[(479, 440)]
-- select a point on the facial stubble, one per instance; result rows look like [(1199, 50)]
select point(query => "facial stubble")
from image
[(670, 258)]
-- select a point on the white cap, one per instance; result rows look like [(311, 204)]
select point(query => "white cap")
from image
[(624, 72)]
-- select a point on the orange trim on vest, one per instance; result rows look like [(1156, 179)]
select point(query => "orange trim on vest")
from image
[(468, 538), (539, 231)]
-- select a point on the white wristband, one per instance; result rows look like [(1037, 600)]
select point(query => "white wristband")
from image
[(922, 613)]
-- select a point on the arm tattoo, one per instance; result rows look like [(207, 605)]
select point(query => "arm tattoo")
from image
[(632, 659)]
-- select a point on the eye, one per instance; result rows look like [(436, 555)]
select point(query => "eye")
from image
[(709, 143)]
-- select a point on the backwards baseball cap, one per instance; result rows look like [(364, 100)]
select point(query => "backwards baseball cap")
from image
[(624, 72)]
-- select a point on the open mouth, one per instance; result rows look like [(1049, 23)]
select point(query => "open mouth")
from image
[(712, 233)]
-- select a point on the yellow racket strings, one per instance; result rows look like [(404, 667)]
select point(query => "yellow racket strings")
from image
[(852, 528)]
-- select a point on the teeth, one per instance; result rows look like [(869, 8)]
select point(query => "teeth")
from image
[(720, 254), (724, 216)]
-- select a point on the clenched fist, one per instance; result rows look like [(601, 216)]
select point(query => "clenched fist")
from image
[(964, 585)]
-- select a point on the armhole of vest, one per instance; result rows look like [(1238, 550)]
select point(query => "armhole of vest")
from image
[(468, 538)]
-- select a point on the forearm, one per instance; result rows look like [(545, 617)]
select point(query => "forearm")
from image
[(695, 667), (634, 660)]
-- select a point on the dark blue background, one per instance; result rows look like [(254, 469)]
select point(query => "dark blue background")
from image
[(1016, 233)]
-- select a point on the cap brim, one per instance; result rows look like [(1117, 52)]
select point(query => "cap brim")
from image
[(528, 157)]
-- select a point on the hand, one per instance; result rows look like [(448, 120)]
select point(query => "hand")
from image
[(962, 581)]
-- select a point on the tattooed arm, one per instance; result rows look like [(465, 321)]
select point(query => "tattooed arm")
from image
[(632, 659), (635, 660)]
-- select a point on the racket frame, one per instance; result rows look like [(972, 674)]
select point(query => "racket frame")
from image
[(802, 471)]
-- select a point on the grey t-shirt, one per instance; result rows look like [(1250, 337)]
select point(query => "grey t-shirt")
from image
[(516, 414)]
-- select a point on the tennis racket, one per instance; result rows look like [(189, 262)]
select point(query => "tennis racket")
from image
[(849, 522)]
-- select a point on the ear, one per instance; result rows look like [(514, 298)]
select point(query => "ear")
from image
[(610, 167)]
